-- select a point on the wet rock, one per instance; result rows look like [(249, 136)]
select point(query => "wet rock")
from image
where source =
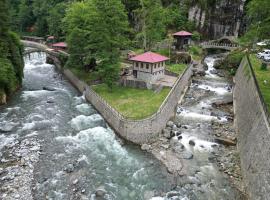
[(100, 192), (178, 125), (165, 146), (174, 141), (224, 141), (75, 181), (167, 133), (146, 147), (179, 137), (172, 194), (174, 128), (83, 191), (148, 195), (69, 168), (170, 124), (186, 155), (185, 127), (191, 142), (178, 148), (47, 88), (50, 100)]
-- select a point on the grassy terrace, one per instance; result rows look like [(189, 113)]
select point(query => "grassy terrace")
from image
[(132, 103), (176, 68), (261, 76), (84, 76)]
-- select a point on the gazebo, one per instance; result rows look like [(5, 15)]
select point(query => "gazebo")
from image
[(149, 66), (182, 39)]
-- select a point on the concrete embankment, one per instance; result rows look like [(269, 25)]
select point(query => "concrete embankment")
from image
[(252, 124), (136, 131)]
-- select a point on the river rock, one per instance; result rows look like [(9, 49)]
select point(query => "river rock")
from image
[(146, 147), (179, 148), (191, 142), (172, 194), (224, 141), (100, 192), (48, 88), (170, 124), (167, 133), (69, 168)]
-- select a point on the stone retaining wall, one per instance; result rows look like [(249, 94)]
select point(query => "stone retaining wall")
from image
[(136, 131), (252, 125)]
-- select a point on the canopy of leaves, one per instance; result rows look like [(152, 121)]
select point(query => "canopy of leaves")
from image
[(97, 29), (11, 60), (259, 17)]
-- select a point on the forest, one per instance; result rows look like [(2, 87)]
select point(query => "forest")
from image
[(100, 29)]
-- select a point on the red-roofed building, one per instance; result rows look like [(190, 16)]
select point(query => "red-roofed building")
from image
[(149, 66), (182, 39), (60, 46)]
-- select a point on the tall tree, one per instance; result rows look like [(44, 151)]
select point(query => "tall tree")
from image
[(259, 17), (104, 26), (152, 23)]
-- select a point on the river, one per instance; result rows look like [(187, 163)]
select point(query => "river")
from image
[(54, 145)]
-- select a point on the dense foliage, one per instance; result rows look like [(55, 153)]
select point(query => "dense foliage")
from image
[(96, 30), (11, 60), (259, 18)]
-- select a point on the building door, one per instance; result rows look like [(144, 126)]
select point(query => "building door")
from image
[(135, 73)]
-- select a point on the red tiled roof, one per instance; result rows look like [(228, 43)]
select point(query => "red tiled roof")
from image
[(149, 57), (60, 44), (183, 33)]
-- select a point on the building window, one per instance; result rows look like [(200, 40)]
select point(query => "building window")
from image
[(147, 66), (137, 64)]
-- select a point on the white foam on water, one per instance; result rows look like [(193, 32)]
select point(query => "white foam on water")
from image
[(200, 117), (157, 198), (34, 94), (101, 142), (28, 126), (83, 158), (83, 122), (217, 90), (200, 145), (5, 140), (139, 173)]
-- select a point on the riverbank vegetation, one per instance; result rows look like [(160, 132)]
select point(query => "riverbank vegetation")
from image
[(263, 78), (11, 58), (131, 102)]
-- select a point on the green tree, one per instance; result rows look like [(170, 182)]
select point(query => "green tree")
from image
[(104, 26), (11, 60), (152, 23), (259, 17)]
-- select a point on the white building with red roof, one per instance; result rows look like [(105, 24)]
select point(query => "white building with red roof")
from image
[(149, 66)]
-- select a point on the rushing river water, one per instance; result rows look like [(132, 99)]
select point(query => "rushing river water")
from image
[(79, 154), (54, 145)]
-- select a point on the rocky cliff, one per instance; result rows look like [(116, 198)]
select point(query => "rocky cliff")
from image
[(217, 18)]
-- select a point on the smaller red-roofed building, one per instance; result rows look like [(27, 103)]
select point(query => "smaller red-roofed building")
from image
[(149, 66), (182, 39), (60, 46)]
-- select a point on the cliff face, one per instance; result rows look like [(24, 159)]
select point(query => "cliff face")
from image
[(218, 18)]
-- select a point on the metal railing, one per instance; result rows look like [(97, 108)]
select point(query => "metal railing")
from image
[(220, 45)]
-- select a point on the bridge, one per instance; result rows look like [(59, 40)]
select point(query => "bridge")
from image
[(216, 45), (228, 43), (40, 47)]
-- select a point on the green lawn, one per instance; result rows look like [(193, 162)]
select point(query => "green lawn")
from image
[(176, 68), (261, 76), (132, 103), (87, 77)]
